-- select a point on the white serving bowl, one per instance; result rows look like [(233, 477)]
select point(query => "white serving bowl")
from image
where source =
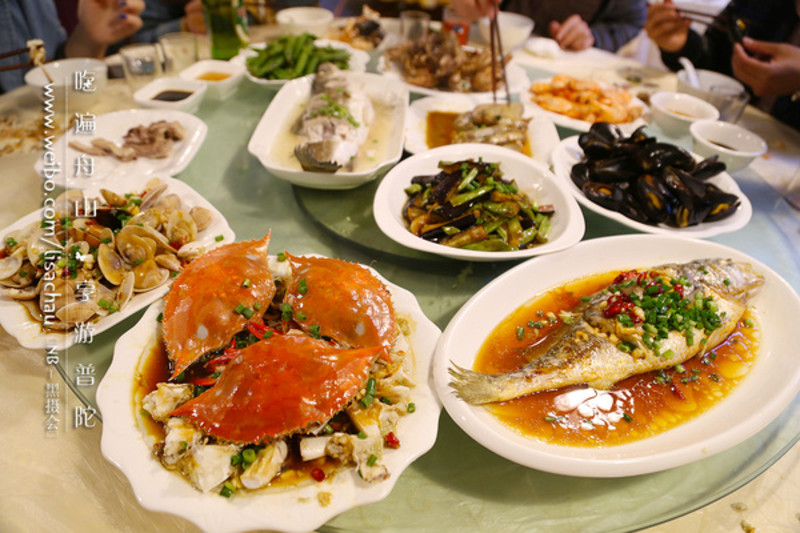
[(514, 29), (296, 20), (707, 79), (144, 97), (269, 140), (741, 146), (216, 89), (62, 72), (675, 112), (532, 178)]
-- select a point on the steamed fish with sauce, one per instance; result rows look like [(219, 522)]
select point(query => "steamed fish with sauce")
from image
[(335, 123), (645, 320)]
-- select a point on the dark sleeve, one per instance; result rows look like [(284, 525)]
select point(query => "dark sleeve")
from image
[(617, 23), (710, 51)]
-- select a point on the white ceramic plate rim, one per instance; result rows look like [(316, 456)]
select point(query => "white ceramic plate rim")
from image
[(357, 63), (542, 134), (740, 415), (14, 318), (568, 152), (298, 91), (293, 510), (539, 184), (582, 125), (113, 126), (517, 80)]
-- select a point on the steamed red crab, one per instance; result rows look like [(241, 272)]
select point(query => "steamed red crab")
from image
[(287, 364)]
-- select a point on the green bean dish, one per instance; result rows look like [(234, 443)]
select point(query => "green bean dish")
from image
[(294, 56), (470, 205)]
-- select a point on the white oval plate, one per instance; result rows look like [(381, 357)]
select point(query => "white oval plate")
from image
[(113, 126), (517, 80), (358, 60), (296, 93), (296, 510), (581, 125), (532, 178), (741, 414), (15, 319), (542, 134), (568, 152)]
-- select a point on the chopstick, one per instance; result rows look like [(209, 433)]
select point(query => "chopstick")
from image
[(494, 37), (15, 66), (16, 52), (33, 44)]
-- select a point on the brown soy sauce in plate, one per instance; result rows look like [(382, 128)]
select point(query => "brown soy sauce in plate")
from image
[(172, 95)]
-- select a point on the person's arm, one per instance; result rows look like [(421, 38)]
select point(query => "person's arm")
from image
[(618, 23)]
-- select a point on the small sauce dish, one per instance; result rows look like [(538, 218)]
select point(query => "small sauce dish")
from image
[(171, 93), (675, 112), (734, 145), (220, 77)]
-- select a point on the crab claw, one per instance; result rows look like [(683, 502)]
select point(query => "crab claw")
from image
[(278, 386), (346, 301), (200, 313)]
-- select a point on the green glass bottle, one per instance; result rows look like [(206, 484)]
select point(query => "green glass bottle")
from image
[(227, 26)]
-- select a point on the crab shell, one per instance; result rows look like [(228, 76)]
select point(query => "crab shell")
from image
[(278, 386), (346, 301), (199, 313)]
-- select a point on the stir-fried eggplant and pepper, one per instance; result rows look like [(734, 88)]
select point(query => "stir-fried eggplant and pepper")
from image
[(469, 205)]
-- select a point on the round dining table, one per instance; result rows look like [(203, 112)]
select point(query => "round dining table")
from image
[(59, 481)]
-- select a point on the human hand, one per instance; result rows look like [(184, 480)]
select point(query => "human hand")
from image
[(472, 10), (772, 70), (666, 27), (194, 19), (572, 34), (106, 22)]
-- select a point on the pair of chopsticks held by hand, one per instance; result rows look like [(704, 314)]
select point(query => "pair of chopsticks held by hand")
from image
[(36, 57), (735, 27), (497, 47)]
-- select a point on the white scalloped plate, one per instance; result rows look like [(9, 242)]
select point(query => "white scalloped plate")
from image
[(296, 510), (15, 319)]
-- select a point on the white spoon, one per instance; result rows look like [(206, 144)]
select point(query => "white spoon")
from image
[(691, 72)]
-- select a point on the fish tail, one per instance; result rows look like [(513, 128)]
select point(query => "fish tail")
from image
[(474, 387)]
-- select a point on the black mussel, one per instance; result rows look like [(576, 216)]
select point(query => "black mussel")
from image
[(639, 136), (696, 186), (612, 169), (708, 168), (604, 130), (595, 147), (652, 157), (580, 174), (633, 210), (604, 194), (678, 188), (690, 215), (721, 204), (654, 197)]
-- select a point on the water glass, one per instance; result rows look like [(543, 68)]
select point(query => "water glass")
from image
[(141, 63), (179, 50), (730, 101), (414, 25)]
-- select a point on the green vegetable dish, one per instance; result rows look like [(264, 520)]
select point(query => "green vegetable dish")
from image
[(469, 205), (294, 56)]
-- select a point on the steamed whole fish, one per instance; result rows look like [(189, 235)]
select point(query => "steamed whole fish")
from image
[(335, 122), (645, 320)]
